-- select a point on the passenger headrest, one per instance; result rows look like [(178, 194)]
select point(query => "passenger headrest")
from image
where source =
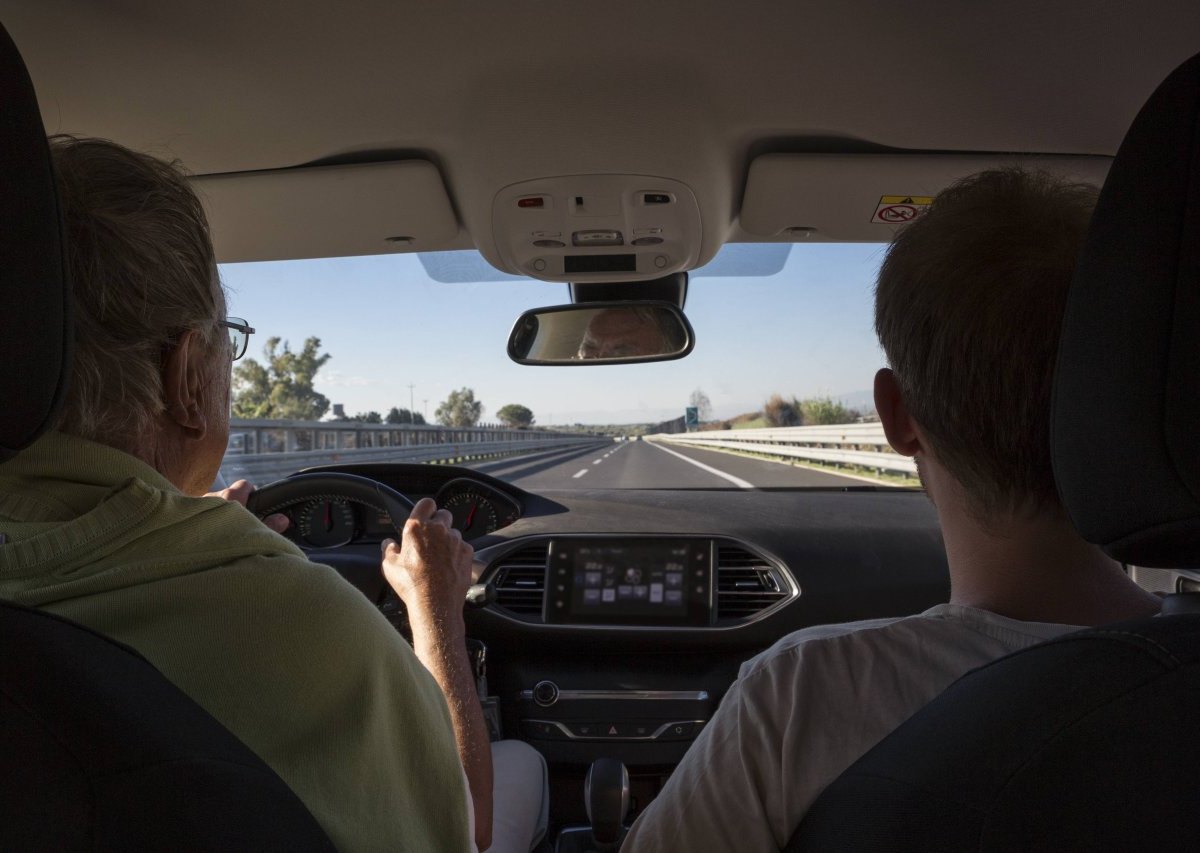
[(1126, 419), (35, 292)]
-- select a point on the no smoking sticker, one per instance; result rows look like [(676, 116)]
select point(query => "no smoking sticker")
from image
[(898, 209)]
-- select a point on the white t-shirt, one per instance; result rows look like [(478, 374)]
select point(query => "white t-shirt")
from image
[(806, 709)]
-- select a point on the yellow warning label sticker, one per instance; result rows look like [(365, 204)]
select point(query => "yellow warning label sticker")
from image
[(898, 209)]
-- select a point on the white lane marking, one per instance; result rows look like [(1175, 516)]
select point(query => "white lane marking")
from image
[(804, 466), (580, 474), (597, 461), (737, 481)]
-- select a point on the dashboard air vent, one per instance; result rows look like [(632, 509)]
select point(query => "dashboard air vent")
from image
[(520, 581), (747, 584)]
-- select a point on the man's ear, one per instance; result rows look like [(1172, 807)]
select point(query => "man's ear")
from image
[(184, 382), (898, 426)]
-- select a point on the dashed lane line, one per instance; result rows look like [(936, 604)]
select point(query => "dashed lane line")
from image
[(597, 461), (737, 481), (579, 474)]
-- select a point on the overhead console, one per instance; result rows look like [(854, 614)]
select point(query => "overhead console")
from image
[(579, 228)]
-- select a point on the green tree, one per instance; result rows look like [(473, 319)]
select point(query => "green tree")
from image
[(281, 387), (515, 415), (368, 418), (460, 409), (403, 416), (703, 405), (825, 410)]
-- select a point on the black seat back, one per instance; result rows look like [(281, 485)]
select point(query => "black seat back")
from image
[(35, 296), (1088, 742), (98, 751), (1085, 743)]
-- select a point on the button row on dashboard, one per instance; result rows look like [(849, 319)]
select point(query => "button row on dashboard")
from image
[(600, 730)]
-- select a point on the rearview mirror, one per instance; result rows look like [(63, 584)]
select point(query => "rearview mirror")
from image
[(625, 332)]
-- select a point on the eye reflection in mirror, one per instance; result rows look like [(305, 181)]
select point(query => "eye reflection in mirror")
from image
[(601, 333)]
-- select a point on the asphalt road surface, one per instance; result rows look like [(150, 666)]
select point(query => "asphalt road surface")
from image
[(653, 465)]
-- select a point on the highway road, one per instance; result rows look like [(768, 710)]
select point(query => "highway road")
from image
[(650, 465)]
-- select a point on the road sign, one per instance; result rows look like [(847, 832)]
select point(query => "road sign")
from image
[(691, 416)]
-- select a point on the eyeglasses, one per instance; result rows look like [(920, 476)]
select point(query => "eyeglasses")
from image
[(239, 335)]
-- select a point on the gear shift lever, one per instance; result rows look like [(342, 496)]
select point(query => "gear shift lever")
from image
[(606, 795)]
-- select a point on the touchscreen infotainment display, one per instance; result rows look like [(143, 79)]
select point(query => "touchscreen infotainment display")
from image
[(630, 582)]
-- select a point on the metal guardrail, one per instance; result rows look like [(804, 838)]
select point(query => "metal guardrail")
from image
[(861, 445), (251, 436), (265, 450)]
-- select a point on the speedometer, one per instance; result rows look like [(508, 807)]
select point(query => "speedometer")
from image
[(474, 514), (327, 522), (477, 508)]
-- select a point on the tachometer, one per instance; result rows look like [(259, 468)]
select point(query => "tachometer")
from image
[(327, 522), (474, 515)]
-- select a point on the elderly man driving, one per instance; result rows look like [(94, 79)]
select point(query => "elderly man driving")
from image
[(105, 521)]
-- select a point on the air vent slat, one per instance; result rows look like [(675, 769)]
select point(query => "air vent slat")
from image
[(520, 581), (747, 584)]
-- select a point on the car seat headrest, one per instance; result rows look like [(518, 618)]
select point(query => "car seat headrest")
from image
[(1126, 411), (35, 293)]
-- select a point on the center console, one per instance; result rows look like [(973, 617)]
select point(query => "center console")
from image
[(613, 688)]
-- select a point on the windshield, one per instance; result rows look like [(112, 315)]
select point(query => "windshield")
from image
[(416, 342)]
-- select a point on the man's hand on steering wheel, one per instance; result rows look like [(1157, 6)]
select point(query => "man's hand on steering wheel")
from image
[(240, 492), (431, 569)]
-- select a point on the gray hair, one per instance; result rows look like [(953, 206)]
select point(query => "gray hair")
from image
[(143, 273)]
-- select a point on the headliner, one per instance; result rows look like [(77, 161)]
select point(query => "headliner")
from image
[(500, 93)]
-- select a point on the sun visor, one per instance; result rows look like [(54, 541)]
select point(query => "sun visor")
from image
[(866, 197), (328, 211)]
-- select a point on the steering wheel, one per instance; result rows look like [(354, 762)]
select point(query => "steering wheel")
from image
[(275, 496), (361, 570)]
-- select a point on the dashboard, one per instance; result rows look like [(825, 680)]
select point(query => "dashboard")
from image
[(620, 617), (335, 521)]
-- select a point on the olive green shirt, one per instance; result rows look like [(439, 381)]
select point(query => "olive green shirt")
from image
[(284, 652)]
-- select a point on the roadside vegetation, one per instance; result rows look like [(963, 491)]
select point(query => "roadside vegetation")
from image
[(515, 416), (460, 409), (282, 385), (780, 411)]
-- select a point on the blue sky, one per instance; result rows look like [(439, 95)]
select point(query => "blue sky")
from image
[(804, 330)]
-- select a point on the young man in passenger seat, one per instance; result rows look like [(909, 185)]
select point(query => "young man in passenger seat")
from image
[(106, 523), (968, 307)]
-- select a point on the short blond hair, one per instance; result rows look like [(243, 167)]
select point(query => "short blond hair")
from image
[(968, 309), (143, 272)]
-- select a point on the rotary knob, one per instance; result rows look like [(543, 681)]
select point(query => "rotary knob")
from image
[(545, 693)]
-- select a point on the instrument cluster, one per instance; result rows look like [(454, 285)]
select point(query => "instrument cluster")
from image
[(333, 521)]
